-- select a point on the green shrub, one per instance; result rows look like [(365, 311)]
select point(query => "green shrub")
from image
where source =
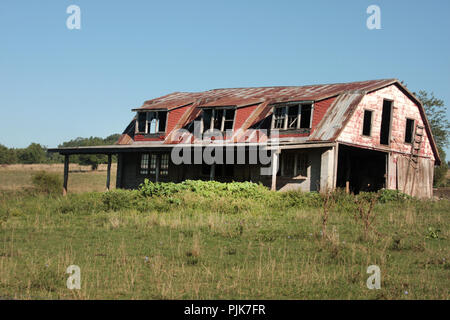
[(300, 199), (48, 183), (204, 188), (122, 199), (387, 195), (89, 202)]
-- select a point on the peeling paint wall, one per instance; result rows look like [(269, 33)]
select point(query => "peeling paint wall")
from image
[(403, 108)]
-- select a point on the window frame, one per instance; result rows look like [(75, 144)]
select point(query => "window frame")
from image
[(153, 170), (371, 122), (285, 107), (296, 171), (147, 122), (214, 111), (413, 128)]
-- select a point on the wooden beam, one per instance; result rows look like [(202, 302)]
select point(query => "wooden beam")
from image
[(66, 173), (108, 173), (274, 166)]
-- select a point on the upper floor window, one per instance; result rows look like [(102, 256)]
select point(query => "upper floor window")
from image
[(293, 116), (367, 123), (152, 122), (409, 130), (221, 119)]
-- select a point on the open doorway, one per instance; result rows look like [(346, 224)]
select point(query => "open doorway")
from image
[(362, 169)]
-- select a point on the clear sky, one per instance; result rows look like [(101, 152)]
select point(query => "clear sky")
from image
[(57, 84)]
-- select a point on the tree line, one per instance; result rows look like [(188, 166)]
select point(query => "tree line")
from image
[(37, 153)]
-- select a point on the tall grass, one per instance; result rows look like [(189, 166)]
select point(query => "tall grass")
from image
[(203, 244)]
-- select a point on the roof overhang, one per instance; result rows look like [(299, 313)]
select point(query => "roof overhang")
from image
[(115, 149)]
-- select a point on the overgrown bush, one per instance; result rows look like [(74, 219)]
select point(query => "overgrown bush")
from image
[(204, 188), (48, 183), (387, 195), (122, 199)]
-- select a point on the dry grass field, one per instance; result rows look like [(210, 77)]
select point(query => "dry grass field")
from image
[(81, 178)]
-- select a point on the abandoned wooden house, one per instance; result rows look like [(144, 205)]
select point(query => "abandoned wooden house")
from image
[(362, 136)]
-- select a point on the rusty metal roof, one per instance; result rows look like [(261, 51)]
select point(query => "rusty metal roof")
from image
[(255, 95), (337, 116)]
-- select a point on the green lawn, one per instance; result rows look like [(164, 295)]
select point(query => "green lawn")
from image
[(190, 246)]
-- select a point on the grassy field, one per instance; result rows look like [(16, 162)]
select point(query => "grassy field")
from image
[(186, 245), (81, 178)]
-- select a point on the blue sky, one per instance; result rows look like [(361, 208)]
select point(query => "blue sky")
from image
[(57, 84)]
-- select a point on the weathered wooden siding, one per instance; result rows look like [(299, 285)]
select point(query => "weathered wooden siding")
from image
[(416, 182)]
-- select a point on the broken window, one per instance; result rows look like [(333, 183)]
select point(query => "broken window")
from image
[(279, 118), (142, 121), (367, 124), (152, 122), (385, 129), (221, 119), (305, 117), (294, 116), (409, 130), (294, 164), (302, 165)]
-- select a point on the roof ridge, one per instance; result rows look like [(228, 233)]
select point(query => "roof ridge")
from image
[(308, 85)]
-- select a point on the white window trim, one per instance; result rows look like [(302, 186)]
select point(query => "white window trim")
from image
[(286, 116), (147, 122), (213, 116)]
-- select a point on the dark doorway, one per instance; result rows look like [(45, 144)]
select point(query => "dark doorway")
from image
[(365, 170), (385, 132)]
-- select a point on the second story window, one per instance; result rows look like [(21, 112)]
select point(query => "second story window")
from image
[(152, 122), (293, 116), (409, 130), (221, 119)]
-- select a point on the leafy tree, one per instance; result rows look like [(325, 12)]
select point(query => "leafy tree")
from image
[(34, 153), (7, 156), (92, 160), (440, 126)]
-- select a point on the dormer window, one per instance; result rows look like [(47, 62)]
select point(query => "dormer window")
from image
[(221, 119), (292, 116), (152, 122)]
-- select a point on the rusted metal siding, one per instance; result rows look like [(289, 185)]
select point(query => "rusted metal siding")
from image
[(337, 116), (320, 109)]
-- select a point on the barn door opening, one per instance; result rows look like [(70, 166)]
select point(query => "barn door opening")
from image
[(361, 169), (385, 131)]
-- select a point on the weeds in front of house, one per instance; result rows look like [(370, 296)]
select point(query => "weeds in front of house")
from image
[(206, 240)]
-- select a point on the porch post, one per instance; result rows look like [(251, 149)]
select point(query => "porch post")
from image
[(66, 173), (275, 157), (108, 173)]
